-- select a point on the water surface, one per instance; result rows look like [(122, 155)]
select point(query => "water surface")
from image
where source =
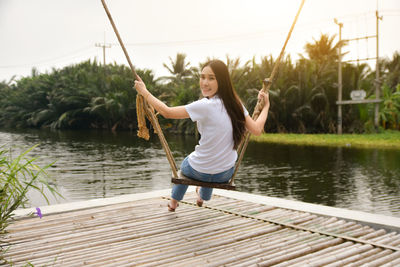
[(97, 164)]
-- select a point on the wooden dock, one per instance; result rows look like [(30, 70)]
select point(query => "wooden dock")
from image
[(225, 232)]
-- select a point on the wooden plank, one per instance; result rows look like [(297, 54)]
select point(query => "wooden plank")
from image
[(302, 261), (182, 179), (364, 101), (226, 231)]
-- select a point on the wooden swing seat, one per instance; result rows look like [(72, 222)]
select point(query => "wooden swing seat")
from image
[(182, 179)]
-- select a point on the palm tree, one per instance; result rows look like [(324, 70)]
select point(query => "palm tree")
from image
[(182, 85), (323, 56), (179, 68), (391, 73), (323, 53)]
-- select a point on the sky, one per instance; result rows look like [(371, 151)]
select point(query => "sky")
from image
[(47, 34)]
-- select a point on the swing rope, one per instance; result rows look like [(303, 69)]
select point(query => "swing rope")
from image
[(260, 103), (143, 109)]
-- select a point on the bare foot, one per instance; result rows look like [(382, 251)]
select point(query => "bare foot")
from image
[(173, 204), (199, 201)]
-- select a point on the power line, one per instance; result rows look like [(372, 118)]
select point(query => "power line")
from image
[(390, 12), (246, 36), (41, 62), (228, 38)]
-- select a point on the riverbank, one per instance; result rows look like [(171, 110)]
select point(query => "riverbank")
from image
[(385, 140)]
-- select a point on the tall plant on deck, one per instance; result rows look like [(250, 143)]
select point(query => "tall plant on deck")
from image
[(18, 176)]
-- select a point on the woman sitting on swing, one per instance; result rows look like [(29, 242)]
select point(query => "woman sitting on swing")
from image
[(221, 120)]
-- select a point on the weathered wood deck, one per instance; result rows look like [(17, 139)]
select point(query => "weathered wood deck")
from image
[(225, 232)]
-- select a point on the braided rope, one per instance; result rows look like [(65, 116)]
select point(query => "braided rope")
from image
[(143, 132)]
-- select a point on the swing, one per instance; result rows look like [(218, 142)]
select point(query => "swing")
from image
[(143, 110)]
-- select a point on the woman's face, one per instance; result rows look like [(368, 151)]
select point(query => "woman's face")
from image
[(208, 82)]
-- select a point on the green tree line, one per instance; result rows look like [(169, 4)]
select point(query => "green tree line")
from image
[(303, 95)]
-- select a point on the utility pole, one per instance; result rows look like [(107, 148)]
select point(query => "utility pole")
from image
[(104, 46), (377, 79), (339, 123)]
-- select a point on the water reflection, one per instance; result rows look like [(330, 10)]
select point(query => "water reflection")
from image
[(360, 179), (95, 164)]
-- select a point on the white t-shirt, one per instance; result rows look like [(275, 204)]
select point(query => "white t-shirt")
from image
[(214, 153)]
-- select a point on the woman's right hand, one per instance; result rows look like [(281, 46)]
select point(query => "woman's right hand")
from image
[(141, 87)]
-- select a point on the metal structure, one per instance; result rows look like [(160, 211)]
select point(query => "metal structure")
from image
[(377, 100)]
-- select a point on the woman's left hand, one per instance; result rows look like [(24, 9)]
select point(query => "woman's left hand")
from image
[(265, 96)]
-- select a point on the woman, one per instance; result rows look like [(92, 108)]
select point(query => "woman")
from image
[(221, 120)]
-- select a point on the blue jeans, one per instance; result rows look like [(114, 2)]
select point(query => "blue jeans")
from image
[(179, 190)]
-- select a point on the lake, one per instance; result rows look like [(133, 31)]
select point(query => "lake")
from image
[(99, 164)]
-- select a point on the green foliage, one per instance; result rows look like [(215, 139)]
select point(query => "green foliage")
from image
[(17, 176), (303, 95), (389, 111), (391, 70), (86, 95)]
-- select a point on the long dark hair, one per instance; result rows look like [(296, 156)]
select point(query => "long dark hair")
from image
[(229, 97)]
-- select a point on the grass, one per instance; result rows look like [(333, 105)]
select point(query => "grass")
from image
[(385, 140)]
